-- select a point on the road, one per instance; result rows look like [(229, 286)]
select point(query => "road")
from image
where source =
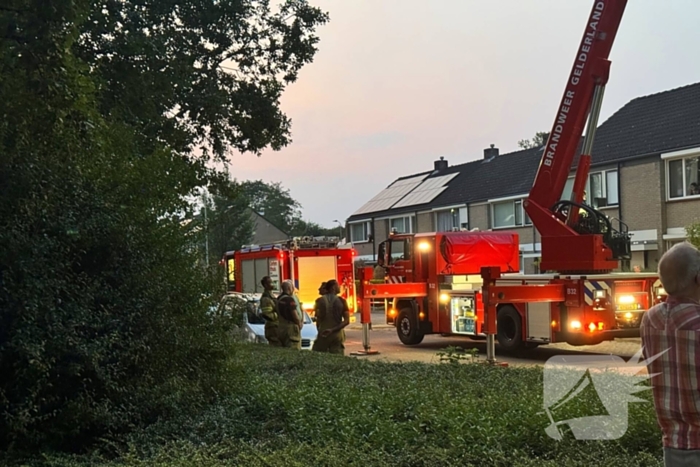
[(383, 339)]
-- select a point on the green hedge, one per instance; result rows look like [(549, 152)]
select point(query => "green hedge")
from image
[(291, 408)]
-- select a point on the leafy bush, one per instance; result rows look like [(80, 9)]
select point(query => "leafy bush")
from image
[(301, 408), (693, 233)]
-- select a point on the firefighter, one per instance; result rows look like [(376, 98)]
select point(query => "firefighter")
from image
[(295, 295), (582, 212), (268, 307), (379, 270), (333, 315), (290, 323)]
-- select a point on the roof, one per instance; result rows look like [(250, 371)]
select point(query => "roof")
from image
[(650, 125), (645, 126), (504, 175)]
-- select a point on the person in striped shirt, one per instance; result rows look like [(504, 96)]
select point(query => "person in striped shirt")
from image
[(670, 331)]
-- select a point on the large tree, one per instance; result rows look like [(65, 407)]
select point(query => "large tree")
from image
[(102, 323), (198, 73), (226, 221), (274, 202)]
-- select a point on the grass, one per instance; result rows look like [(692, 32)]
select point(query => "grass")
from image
[(300, 408)]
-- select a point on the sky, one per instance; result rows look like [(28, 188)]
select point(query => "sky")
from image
[(396, 84)]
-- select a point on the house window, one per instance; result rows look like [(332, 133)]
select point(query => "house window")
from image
[(601, 189), (568, 188), (402, 224), (447, 220), (683, 177), (359, 232), (509, 214)]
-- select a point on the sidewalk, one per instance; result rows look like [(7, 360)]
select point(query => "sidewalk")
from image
[(378, 322)]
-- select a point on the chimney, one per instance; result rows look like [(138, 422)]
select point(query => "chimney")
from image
[(490, 152), (441, 164)]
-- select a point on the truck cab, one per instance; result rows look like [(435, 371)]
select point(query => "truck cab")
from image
[(397, 253)]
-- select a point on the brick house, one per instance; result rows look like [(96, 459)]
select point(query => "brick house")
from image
[(644, 160)]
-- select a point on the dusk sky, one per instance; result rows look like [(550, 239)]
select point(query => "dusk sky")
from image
[(398, 83)]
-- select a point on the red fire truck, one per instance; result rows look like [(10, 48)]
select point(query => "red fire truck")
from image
[(307, 261), (467, 283)]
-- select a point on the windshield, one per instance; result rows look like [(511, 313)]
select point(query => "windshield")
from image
[(254, 317)]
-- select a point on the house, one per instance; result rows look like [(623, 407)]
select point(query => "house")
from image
[(264, 231), (645, 158)]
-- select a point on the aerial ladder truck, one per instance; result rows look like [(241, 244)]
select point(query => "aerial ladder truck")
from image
[(579, 243), (468, 283)]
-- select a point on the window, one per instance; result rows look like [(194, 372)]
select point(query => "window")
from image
[(611, 186), (359, 232), (447, 220), (402, 224), (400, 250), (568, 188), (601, 189), (683, 177), (509, 214)]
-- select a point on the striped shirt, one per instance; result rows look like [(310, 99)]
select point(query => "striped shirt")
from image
[(674, 327)]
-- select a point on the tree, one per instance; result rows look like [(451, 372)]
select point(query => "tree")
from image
[(303, 228), (225, 221), (539, 140), (103, 323), (272, 201), (199, 74)]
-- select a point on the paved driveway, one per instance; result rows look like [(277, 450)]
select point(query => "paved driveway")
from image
[(383, 338)]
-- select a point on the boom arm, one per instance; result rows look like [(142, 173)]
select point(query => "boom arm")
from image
[(570, 244)]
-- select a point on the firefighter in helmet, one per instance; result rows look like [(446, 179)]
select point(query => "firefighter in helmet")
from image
[(268, 308), (290, 322), (332, 316)]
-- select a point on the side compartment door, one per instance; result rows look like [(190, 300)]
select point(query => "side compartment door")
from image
[(248, 276), (539, 320), (261, 270)]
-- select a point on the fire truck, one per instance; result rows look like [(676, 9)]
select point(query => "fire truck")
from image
[(468, 283), (307, 261)]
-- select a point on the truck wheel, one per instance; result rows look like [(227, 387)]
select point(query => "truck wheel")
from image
[(407, 328), (509, 328)]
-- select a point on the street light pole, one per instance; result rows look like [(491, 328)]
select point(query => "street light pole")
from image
[(206, 228), (340, 229)]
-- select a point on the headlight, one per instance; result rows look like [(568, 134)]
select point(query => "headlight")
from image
[(625, 299)]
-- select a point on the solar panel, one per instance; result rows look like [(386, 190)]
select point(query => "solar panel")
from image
[(427, 191), (390, 195)]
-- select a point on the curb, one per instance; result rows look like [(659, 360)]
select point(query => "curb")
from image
[(358, 326)]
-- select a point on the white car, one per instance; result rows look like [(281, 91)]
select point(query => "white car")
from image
[(245, 309)]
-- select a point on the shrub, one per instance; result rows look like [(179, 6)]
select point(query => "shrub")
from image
[(302, 408)]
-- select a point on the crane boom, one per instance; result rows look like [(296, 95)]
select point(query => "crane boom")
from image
[(577, 238)]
